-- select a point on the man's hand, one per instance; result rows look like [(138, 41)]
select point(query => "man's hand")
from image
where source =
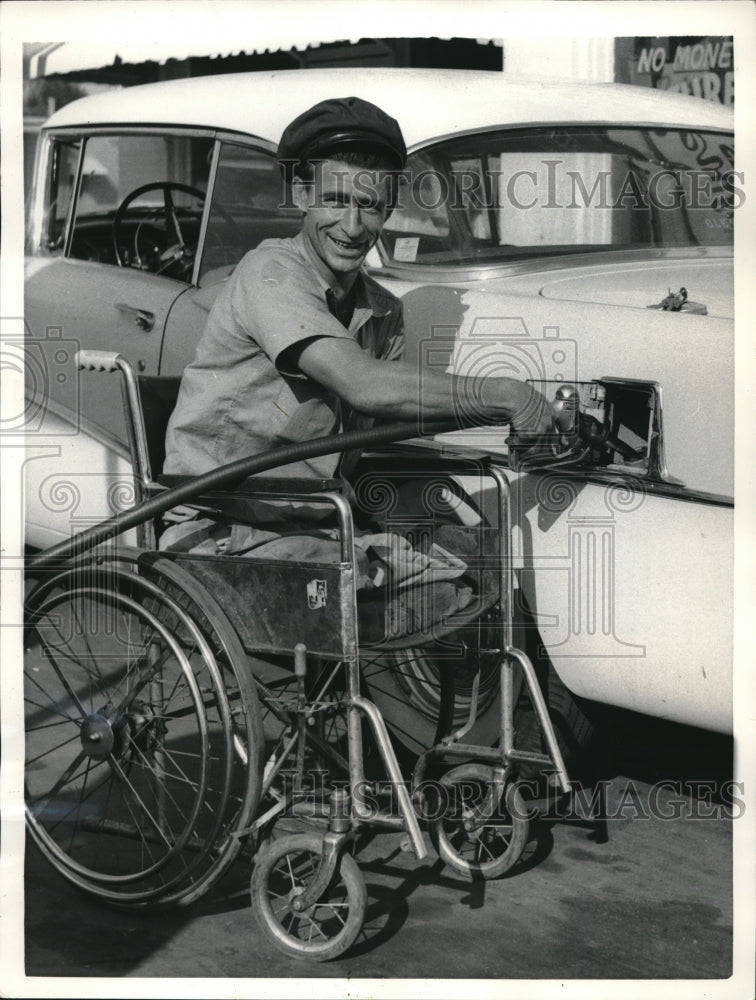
[(534, 416)]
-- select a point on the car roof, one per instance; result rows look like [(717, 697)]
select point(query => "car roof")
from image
[(427, 103)]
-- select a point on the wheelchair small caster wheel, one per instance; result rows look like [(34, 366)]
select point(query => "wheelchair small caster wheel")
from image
[(484, 826), (323, 930)]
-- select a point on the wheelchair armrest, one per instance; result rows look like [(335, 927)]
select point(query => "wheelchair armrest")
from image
[(267, 484)]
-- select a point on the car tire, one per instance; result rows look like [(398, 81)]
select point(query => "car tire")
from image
[(573, 726)]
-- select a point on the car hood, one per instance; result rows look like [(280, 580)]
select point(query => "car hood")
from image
[(639, 285)]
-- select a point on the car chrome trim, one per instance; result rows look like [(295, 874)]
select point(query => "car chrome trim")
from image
[(634, 484), (36, 214), (246, 139), (205, 216), (74, 204), (491, 271), (657, 463), (126, 128), (575, 124)]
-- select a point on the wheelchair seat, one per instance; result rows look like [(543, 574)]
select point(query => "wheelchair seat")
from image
[(289, 592)]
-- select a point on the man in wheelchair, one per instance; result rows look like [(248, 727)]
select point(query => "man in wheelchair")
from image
[(302, 343), (184, 720)]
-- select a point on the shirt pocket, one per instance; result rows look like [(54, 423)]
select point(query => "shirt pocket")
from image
[(313, 418)]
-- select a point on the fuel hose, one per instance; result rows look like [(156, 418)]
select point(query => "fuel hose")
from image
[(225, 475)]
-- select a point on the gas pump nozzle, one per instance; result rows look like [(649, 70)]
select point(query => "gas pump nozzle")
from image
[(566, 408)]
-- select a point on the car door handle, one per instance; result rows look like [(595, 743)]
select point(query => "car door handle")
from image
[(144, 320)]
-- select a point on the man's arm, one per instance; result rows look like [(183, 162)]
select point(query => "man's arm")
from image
[(396, 391)]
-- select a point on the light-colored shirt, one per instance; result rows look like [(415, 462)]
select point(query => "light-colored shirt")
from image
[(237, 397)]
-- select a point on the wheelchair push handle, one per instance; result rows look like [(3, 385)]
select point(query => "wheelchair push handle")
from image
[(100, 361)]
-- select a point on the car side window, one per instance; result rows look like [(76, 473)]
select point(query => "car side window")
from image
[(421, 214), (506, 195), (249, 204), (140, 201)]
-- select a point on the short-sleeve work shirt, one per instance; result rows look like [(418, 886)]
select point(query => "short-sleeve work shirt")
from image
[(237, 397)]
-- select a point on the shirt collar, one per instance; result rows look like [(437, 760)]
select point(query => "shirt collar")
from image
[(367, 295)]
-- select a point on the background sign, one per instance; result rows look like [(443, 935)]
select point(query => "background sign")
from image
[(701, 66)]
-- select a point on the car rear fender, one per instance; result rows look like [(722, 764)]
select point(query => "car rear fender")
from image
[(74, 475)]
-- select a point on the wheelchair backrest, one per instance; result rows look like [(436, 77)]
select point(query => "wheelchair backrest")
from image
[(158, 395)]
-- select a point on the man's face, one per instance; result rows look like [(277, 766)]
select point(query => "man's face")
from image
[(345, 208)]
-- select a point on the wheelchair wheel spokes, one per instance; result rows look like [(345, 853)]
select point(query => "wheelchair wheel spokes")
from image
[(324, 930), (230, 701), (482, 828), (319, 747), (407, 684), (163, 689), (118, 751)]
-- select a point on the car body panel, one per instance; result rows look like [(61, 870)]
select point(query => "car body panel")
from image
[(635, 285), (75, 475), (579, 343), (656, 638), (615, 636), (84, 314), (189, 313)]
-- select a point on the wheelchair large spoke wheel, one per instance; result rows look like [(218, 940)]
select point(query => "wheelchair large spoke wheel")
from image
[(131, 747), (230, 807), (483, 827), (322, 931), (118, 749)]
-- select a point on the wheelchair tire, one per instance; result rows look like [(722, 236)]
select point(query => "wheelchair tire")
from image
[(130, 735), (245, 723), (283, 869), (480, 834)]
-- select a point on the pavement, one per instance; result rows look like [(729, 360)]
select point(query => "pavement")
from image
[(642, 892)]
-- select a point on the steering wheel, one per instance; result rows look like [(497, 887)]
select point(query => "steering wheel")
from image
[(168, 248)]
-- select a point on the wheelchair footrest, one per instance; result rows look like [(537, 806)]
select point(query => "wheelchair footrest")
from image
[(529, 757)]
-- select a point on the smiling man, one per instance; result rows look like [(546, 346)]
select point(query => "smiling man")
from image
[(302, 342)]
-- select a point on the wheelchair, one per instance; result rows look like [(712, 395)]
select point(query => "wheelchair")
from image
[(185, 710)]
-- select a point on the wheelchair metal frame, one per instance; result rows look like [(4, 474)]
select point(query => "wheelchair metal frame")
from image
[(344, 812)]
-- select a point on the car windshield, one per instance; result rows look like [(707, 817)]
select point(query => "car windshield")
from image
[(512, 194)]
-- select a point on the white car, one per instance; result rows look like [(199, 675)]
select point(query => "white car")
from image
[(576, 235)]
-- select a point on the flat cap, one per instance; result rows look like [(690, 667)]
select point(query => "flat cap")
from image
[(339, 123)]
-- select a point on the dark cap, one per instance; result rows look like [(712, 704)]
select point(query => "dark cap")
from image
[(338, 124)]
